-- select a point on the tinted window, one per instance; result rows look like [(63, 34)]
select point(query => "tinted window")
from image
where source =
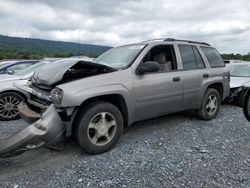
[(199, 61), (188, 58), (213, 57)]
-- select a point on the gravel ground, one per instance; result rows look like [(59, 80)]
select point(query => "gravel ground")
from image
[(171, 151)]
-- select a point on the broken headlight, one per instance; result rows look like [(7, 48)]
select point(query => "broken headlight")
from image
[(56, 95)]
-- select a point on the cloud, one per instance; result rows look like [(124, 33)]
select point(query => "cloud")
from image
[(224, 24)]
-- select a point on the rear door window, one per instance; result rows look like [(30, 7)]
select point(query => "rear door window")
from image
[(188, 58), (191, 58), (213, 57)]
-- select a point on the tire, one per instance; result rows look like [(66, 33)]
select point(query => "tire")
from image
[(246, 105), (241, 98), (99, 127), (208, 112), (8, 105)]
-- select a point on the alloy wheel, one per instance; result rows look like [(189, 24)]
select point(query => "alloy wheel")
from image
[(8, 106), (212, 104), (102, 128)]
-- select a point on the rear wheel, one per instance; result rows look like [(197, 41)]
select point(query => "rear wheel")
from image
[(210, 105), (8, 105), (99, 127)]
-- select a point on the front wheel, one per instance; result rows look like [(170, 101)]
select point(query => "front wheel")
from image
[(210, 105), (99, 127), (8, 105)]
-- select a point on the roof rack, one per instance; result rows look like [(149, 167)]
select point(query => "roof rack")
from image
[(177, 40), (151, 40), (189, 41)]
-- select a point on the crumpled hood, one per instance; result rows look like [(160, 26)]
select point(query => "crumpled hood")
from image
[(238, 81), (53, 72), (7, 77), (67, 70)]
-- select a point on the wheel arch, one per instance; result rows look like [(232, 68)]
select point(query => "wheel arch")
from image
[(218, 86), (15, 91), (116, 99)]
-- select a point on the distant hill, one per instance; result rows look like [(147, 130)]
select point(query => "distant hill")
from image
[(29, 48)]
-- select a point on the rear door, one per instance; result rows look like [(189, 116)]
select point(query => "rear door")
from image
[(193, 74)]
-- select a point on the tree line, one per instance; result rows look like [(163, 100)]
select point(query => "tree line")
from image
[(28, 48), (236, 57), (22, 54)]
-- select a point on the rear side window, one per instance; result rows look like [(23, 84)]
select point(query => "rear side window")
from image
[(213, 57), (191, 58), (188, 58)]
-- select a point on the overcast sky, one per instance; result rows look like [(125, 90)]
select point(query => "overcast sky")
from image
[(224, 24)]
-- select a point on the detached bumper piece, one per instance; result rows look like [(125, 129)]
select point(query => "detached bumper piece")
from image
[(26, 114), (47, 130)]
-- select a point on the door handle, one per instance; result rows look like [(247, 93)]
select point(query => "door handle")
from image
[(206, 75), (176, 79)]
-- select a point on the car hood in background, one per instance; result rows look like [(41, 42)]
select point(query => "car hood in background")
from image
[(238, 81), (7, 77)]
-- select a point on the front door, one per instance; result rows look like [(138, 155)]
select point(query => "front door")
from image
[(157, 94), (161, 92)]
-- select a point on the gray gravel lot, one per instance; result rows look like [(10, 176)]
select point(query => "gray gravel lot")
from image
[(177, 150)]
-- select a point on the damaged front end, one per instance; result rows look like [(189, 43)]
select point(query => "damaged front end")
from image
[(48, 122), (47, 130)]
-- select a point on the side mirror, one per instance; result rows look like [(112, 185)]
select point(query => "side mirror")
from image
[(148, 66), (10, 71)]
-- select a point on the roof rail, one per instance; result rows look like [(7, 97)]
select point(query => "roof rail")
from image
[(151, 40), (173, 40), (189, 41)]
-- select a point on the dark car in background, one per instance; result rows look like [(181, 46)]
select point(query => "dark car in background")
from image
[(14, 66)]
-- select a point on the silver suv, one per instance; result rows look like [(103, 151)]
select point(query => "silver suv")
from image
[(94, 101)]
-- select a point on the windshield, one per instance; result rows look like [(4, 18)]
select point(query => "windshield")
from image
[(239, 70), (3, 64), (30, 69), (119, 57)]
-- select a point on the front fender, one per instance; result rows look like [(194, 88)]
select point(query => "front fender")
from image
[(9, 86), (78, 98)]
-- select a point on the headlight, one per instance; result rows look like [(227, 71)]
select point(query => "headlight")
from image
[(56, 95)]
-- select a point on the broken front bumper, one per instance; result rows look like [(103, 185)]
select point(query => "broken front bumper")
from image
[(47, 130)]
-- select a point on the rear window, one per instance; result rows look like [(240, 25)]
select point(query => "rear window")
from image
[(213, 57)]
